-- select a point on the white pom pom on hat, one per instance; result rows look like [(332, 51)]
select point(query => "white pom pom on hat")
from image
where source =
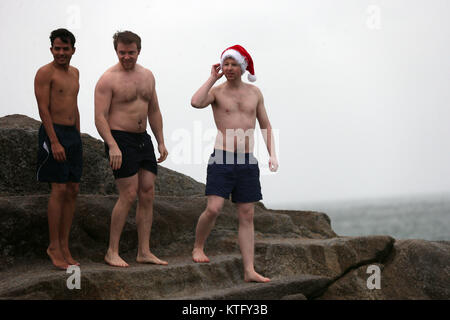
[(241, 55)]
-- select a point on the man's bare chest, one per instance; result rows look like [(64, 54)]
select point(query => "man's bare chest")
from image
[(64, 86), (130, 90), (243, 104)]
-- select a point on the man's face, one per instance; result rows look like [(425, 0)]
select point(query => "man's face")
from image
[(127, 54), (231, 69), (62, 52)]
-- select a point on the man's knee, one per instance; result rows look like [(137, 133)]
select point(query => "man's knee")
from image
[(72, 189), (246, 214), (147, 193), (212, 211)]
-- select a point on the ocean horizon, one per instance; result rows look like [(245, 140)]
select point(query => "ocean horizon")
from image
[(404, 217)]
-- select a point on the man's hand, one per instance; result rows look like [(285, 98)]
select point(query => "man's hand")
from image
[(162, 153), (215, 71), (273, 164), (115, 158), (58, 152)]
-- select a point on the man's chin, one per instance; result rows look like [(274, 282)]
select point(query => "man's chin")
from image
[(128, 66), (61, 62)]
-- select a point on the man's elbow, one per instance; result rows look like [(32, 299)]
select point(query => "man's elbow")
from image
[(99, 120), (197, 103), (194, 104), (265, 125)]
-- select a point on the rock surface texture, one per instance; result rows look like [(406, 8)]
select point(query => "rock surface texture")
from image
[(298, 250)]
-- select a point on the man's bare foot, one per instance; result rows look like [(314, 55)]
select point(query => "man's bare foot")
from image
[(57, 258), (68, 257), (113, 259), (150, 258), (255, 277), (199, 256)]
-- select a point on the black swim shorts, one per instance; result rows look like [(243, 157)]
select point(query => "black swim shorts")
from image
[(233, 173), (50, 170), (137, 152)]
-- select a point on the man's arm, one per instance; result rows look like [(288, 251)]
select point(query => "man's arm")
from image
[(103, 97), (266, 130), (77, 121), (42, 85), (205, 96), (156, 122)]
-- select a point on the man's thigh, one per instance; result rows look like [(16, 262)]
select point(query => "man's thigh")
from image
[(128, 184), (146, 181)]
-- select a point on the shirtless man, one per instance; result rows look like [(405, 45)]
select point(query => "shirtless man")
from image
[(125, 97), (232, 168), (56, 88)]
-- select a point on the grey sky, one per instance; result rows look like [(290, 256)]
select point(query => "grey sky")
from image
[(358, 90)]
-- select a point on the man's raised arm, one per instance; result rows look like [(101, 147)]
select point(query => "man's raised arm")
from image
[(204, 96)]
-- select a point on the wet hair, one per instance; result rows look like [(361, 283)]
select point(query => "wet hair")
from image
[(126, 37), (65, 35)]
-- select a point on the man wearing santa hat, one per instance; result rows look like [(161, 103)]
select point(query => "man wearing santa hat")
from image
[(232, 168)]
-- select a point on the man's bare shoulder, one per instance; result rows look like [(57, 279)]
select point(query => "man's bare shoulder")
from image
[(253, 88), (45, 72), (218, 88), (74, 69), (146, 72), (107, 78)]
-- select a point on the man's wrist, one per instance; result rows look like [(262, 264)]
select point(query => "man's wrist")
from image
[(213, 79), (112, 145)]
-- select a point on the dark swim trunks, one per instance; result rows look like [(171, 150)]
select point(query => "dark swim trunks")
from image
[(233, 173), (137, 152), (48, 169)]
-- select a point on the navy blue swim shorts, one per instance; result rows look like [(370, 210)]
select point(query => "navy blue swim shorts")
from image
[(233, 173), (50, 170), (137, 152)]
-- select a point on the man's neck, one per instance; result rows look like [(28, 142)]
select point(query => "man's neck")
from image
[(121, 68), (63, 67), (234, 84)]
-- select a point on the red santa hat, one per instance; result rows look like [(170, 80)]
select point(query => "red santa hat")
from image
[(242, 57)]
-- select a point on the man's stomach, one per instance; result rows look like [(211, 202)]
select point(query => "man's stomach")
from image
[(235, 140), (130, 118)]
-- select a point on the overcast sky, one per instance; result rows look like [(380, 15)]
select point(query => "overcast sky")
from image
[(358, 91)]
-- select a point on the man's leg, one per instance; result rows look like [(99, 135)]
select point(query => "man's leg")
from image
[(204, 226), (144, 217), (54, 212), (68, 210), (247, 242), (127, 188)]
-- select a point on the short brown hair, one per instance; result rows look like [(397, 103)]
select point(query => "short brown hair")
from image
[(126, 37)]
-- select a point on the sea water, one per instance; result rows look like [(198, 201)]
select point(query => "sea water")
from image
[(414, 217)]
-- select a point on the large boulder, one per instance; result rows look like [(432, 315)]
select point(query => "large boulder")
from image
[(18, 147), (415, 269)]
